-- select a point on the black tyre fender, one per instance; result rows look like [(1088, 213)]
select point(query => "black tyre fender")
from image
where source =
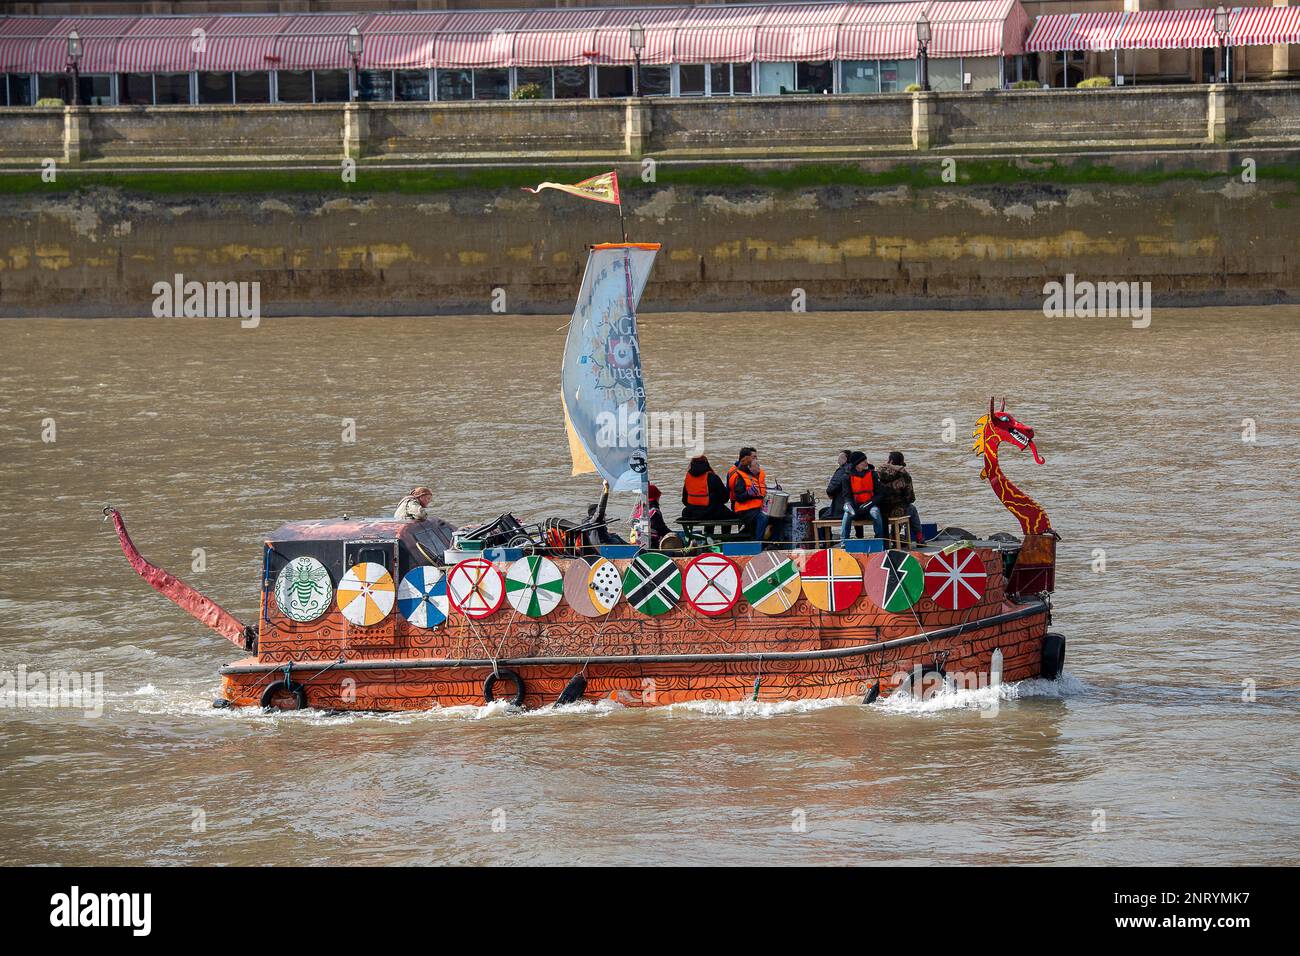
[(280, 686), (1053, 656), (504, 674)]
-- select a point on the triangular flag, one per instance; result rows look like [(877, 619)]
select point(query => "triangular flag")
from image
[(602, 188)]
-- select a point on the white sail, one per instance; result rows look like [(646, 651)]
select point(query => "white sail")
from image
[(600, 382)]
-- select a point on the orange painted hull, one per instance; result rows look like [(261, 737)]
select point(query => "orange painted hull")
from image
[(640, 660)]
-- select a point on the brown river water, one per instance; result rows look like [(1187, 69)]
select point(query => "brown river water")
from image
[(1170, 740)]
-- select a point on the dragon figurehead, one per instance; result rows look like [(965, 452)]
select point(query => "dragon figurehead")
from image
[(991, 431)]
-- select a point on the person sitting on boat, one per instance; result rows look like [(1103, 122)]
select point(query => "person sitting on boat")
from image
[(414, 506), (862, 502), (837, 489), (703, 493), (747, 485), (895, 495), (658, 527)]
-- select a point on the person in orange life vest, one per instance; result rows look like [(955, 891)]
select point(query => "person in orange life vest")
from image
[(862, 502), (658, 527), (747, 485), (703, 493)]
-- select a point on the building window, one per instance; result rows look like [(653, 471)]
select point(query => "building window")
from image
[(538, 75), (253, 87), (572, 83), (455, 85), (945, 74), (171, 89), (411, 85), (375, 85), (775, 78), (897, 75), (656, 80), (20, 89), (690, 79), (742, 78), (135, 89), (613, 81), (216, 88), (293, 86), (491, 84), (860, 76), (814, 77), (720, 79), (331, 86)]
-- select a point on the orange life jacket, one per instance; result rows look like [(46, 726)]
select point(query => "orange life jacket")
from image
[(697, 489), (864, 487), (754, 486)]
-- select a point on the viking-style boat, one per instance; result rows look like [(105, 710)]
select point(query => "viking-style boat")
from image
[(382, 615)]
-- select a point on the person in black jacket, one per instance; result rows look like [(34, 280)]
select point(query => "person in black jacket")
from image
[(837, 489), (703, 493)]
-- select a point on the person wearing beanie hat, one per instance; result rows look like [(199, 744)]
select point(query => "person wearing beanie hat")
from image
[(861, 502)]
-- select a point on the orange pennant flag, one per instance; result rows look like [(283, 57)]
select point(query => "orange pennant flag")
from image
[(602, 188)]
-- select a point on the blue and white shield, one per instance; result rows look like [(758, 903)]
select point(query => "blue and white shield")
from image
[(422, 597)]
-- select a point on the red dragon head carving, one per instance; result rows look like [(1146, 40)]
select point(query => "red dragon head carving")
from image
[(1000, 425)]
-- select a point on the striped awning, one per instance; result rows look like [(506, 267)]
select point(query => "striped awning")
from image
[(397, 41), (316, 42), (714, 33), (1075, 31), (1263, 26), (240, 44), (18, 37), (162, 44), (477, 39), (556, 38), (977, 28), (1167, 30), (99, 39)]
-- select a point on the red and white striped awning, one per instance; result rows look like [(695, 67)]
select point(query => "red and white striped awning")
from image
[(99, 37), (1167, 30), (885, 31), (1263, 26), (477, 39), (240, 44), (18, 36), (162, 44), (1075, 31), (717, 34), (802, 32), (556, 38), (316, 42), (400, 41), (609, 42), (977, 28)]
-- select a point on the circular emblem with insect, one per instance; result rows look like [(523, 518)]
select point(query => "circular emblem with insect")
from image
[(303, 591)]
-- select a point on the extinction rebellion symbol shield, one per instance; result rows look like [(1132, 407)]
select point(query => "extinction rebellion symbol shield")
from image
[(652, 583), (894, 580), (712, 584)]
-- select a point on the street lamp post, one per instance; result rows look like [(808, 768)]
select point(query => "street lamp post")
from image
[(923, 57), (74, 65), (636, 40), (1221, 32), (354, 51)]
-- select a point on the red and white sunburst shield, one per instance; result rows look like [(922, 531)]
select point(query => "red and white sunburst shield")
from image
[(955, 581)]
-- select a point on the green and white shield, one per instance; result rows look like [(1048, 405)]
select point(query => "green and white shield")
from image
[(652, 583), (534, 586)]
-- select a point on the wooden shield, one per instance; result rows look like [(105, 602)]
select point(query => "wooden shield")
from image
[(832, 579), (476, 588), (894, 580), (770, 582), (712, 584), (592, 586), (955, 581), (366, 594)]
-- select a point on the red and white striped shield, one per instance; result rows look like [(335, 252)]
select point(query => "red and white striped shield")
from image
[(957, 580), (712, 584)]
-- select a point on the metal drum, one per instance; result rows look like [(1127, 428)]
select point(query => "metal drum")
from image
[(774, 504)]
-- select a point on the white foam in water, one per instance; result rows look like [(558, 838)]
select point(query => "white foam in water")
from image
[(951, 697), (754, 708)]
